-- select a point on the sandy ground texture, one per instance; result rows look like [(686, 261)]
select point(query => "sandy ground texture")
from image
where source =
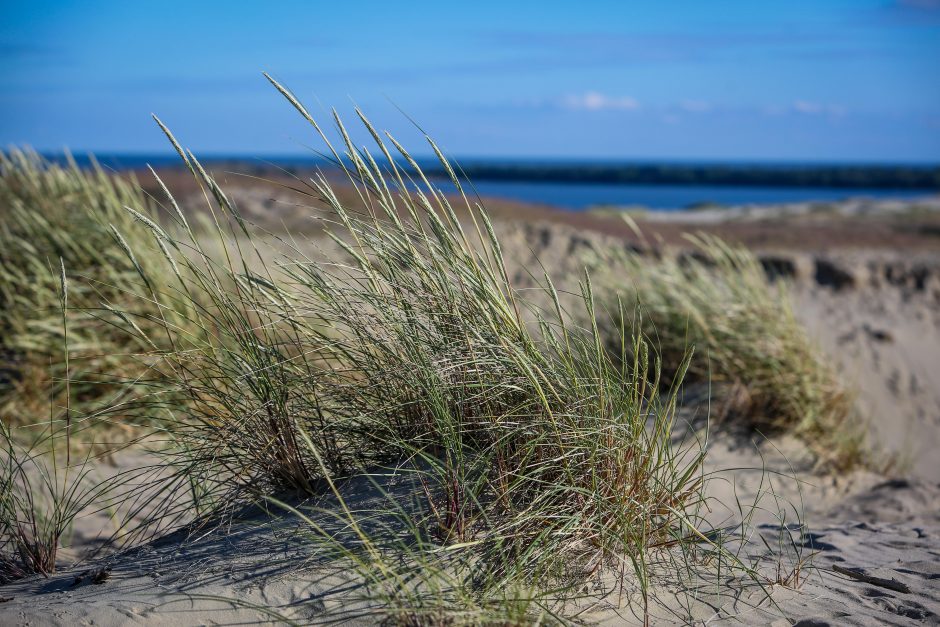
[(871, 299), (887, 529)]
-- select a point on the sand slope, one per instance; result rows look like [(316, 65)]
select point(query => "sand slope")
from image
[(269, 561), (876, 312)]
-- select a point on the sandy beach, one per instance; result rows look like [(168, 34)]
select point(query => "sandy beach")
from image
[(872, 304), (496, 315)]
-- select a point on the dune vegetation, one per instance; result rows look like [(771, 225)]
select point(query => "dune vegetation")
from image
[(540, 449), (764, 372), (67, 284)]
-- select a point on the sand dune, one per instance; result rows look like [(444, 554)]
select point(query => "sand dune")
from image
[(876, 312)]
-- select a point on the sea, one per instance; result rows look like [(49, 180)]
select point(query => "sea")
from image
[(584, 196), (573, 196)]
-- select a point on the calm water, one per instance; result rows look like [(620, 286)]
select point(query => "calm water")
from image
[(580, 196), (571, 196)]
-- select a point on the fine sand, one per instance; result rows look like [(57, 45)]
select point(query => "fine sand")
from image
[(884, 528), (872, 303)]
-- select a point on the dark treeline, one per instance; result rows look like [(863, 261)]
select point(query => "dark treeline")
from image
[(836, 176)]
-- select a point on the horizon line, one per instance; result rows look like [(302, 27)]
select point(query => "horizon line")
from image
[(551, 159)]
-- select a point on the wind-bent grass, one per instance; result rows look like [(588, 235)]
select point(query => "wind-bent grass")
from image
[(542, 466), (543, 463), (79, 357), (746, 337), (44, 493), (52, 216), (39, 501)]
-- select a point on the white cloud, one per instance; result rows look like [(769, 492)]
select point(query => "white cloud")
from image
[(596, 101)]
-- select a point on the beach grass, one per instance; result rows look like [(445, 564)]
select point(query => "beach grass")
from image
[(58, 220), (766, 374), (542, 462), (539, 442)]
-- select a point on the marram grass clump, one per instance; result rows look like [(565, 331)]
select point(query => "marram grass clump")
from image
[(58, 220), (533, 469), (765, 371), (543, 464)]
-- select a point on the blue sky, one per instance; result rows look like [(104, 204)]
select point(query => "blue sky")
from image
[(800, 80)]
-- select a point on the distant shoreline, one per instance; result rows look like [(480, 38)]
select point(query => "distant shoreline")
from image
[(711, 174), (829, 176), (572, 186)]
